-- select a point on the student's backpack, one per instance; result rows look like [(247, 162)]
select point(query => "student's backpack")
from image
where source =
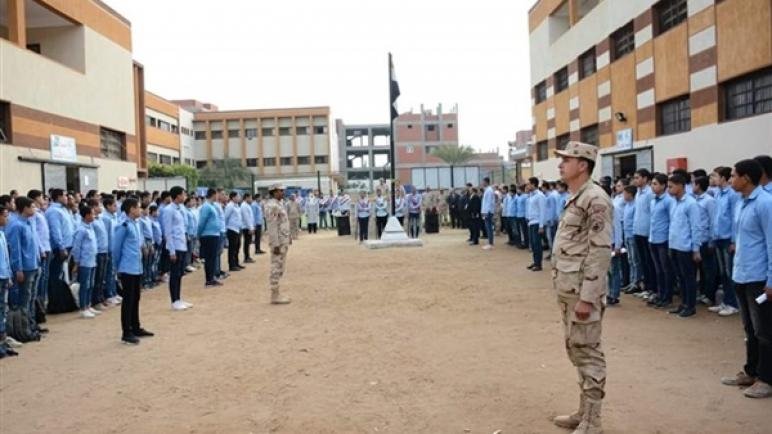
[(17, 324)]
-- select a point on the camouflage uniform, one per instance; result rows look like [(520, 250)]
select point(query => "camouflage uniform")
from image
[(580, 259), (278, 237), (293, 211)]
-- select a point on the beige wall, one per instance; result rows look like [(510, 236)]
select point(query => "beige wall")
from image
[(65, 45)]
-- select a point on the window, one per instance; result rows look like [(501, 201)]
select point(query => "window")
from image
[(541, 92), (251, 162), (450, 125), (562, 141), (304, 160), (320, 159), (163, 125), (34, 47), (250, 133), (669, 13), (185, 131), (409, 126), (270, 161), (149, 120), (152, 157), (5, 122), (286, 161), (748, 95), (430, 128), (234, 133), (166, 159), (216, 134), (675, 116), (301, 131), (175, 160), (285, 131), (622, 41), (561, 80), (175, 129), (542, 151), (321, 129), (199, 135), (267, 132), (430, 149), (589, 135), (189, 162), (587, 64), (112, 144), (200, 164)]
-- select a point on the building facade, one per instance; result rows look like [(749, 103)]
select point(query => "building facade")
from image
[(655, 84), (68, 93), (364, 154), (520, 153), (291, 145), (416, 136)]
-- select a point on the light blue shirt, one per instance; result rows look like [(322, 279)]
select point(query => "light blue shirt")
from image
[(174, 222), (561, 199), (157, 232), (753, 246), (220, 217), (707, 216), (488, 201), (84, 246), (505, 206), (22, 245), (537, 212), (520, 203), (5, 258), (247, 216), (551, 206), (60, 225), (43, 233), (109, 221), (618, 233), (127, 249), (685, 231), (103, 244), (363, 208), (726, 203), (257, 213), (190, 221), (208, 222), (642, 222), (768, 187), (660, 218), (233, 217), (147, 227), (628, 219), (512, 205), (381, 207)]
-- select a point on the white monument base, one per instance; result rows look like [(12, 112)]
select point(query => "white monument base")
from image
[(393, 236)]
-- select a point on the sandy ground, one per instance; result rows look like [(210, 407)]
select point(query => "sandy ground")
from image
[(442, 339)]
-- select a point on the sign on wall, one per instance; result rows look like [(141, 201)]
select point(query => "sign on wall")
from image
[(625, 139), (63, 148)]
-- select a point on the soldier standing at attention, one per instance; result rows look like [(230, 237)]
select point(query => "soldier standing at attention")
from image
[(293, 209), (580, 260), (279, 239)]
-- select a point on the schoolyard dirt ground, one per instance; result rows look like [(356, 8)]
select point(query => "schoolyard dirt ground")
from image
[(441, 339)]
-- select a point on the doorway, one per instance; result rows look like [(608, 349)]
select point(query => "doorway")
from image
[(73, 178), (627, 166)]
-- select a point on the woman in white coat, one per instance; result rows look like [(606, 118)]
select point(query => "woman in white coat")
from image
[(312, 212)]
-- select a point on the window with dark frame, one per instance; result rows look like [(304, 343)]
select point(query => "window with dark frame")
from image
[(175, 160), (267, 131), (622, 41), (675, 116), (562, 142), (541, 92), (250, 133), (251, 162), (234, 133), (165, 159), (285, 161), (152, 157), (200, 164), (561, 80), (112, 144), (199, 135), (748, 95), (269, 161), (587, 65), (5, 122), (542, 151), (669, 13), (450, 125), (320, 159), (589, 135), (301, 131), (285, 131), (320, 129), (430, 128), (304, 160), (216, 134)]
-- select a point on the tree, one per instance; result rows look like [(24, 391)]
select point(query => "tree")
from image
[(228, 173), (171, 170), (454, 155)]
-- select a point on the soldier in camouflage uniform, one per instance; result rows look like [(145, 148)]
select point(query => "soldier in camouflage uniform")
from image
[(293, 211), (580, 259), (279, 239)]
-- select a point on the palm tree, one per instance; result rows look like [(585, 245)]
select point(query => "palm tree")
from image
[(453, 155)]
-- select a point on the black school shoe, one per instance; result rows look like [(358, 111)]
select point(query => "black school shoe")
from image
[(142, 333), (130, 340), (687, 313)]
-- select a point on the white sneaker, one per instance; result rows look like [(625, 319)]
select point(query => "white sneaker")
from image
[(487, 247), (189, 305), (717, 308), (728, 311), (642, 294), (86, 314), (179, 305), (165, 278), (13, 343), (190, 268), (94, 311)]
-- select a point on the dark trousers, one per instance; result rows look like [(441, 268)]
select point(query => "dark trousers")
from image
[(522, 225), (234, 241), (664, 270), (247, 242), (363, 226), (757, 322), (685, 269), (258, 236), (454, 220), (536, 245), (380, 224), (98, 293), (725, 264), (474, 224), (312, 228), (323, 219), (489, 229), (333, 221), (208, 251), (708, 270), (175, 276), (647, 263), (164, 263), (130, 304)]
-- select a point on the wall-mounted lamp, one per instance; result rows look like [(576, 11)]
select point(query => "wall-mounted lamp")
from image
[(620, 117)]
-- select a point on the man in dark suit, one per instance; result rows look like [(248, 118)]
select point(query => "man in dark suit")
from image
[(475, 218)]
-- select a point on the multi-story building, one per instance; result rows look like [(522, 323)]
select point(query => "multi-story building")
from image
[(655, 84), (364, 153), (163, 132), (291, 145), (520, 152), (68, 96), (416, 136)]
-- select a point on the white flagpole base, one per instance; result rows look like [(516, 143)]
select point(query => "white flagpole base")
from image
[(393, 236)]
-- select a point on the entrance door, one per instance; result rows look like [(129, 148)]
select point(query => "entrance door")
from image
[(627, 166), (73, 179)]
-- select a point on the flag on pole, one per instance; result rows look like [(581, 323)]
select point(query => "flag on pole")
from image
[(394, 89)]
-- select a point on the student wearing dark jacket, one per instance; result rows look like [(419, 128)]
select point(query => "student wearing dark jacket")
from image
[(474, 218)]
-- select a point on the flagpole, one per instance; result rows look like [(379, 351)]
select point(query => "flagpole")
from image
[(391, 145)]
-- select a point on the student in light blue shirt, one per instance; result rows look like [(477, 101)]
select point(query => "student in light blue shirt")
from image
[(44, 241), (659, 231), (84, 253), (708, 266), (209, 235), (5, 280), (617, 243), (233, 224), (511, 207), (723, 233), (641, 229), (61, 230), (149, 252), (24, 256), (363, 216), (684, 240), (633, 257), (110, 220), (127, 255), (537, 220), (505, 213), (766, 174), (752, 275), (98, 295), (176, 245), (551, 204), (521, 205), (257, 213), (247, 226), (488, 208)]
